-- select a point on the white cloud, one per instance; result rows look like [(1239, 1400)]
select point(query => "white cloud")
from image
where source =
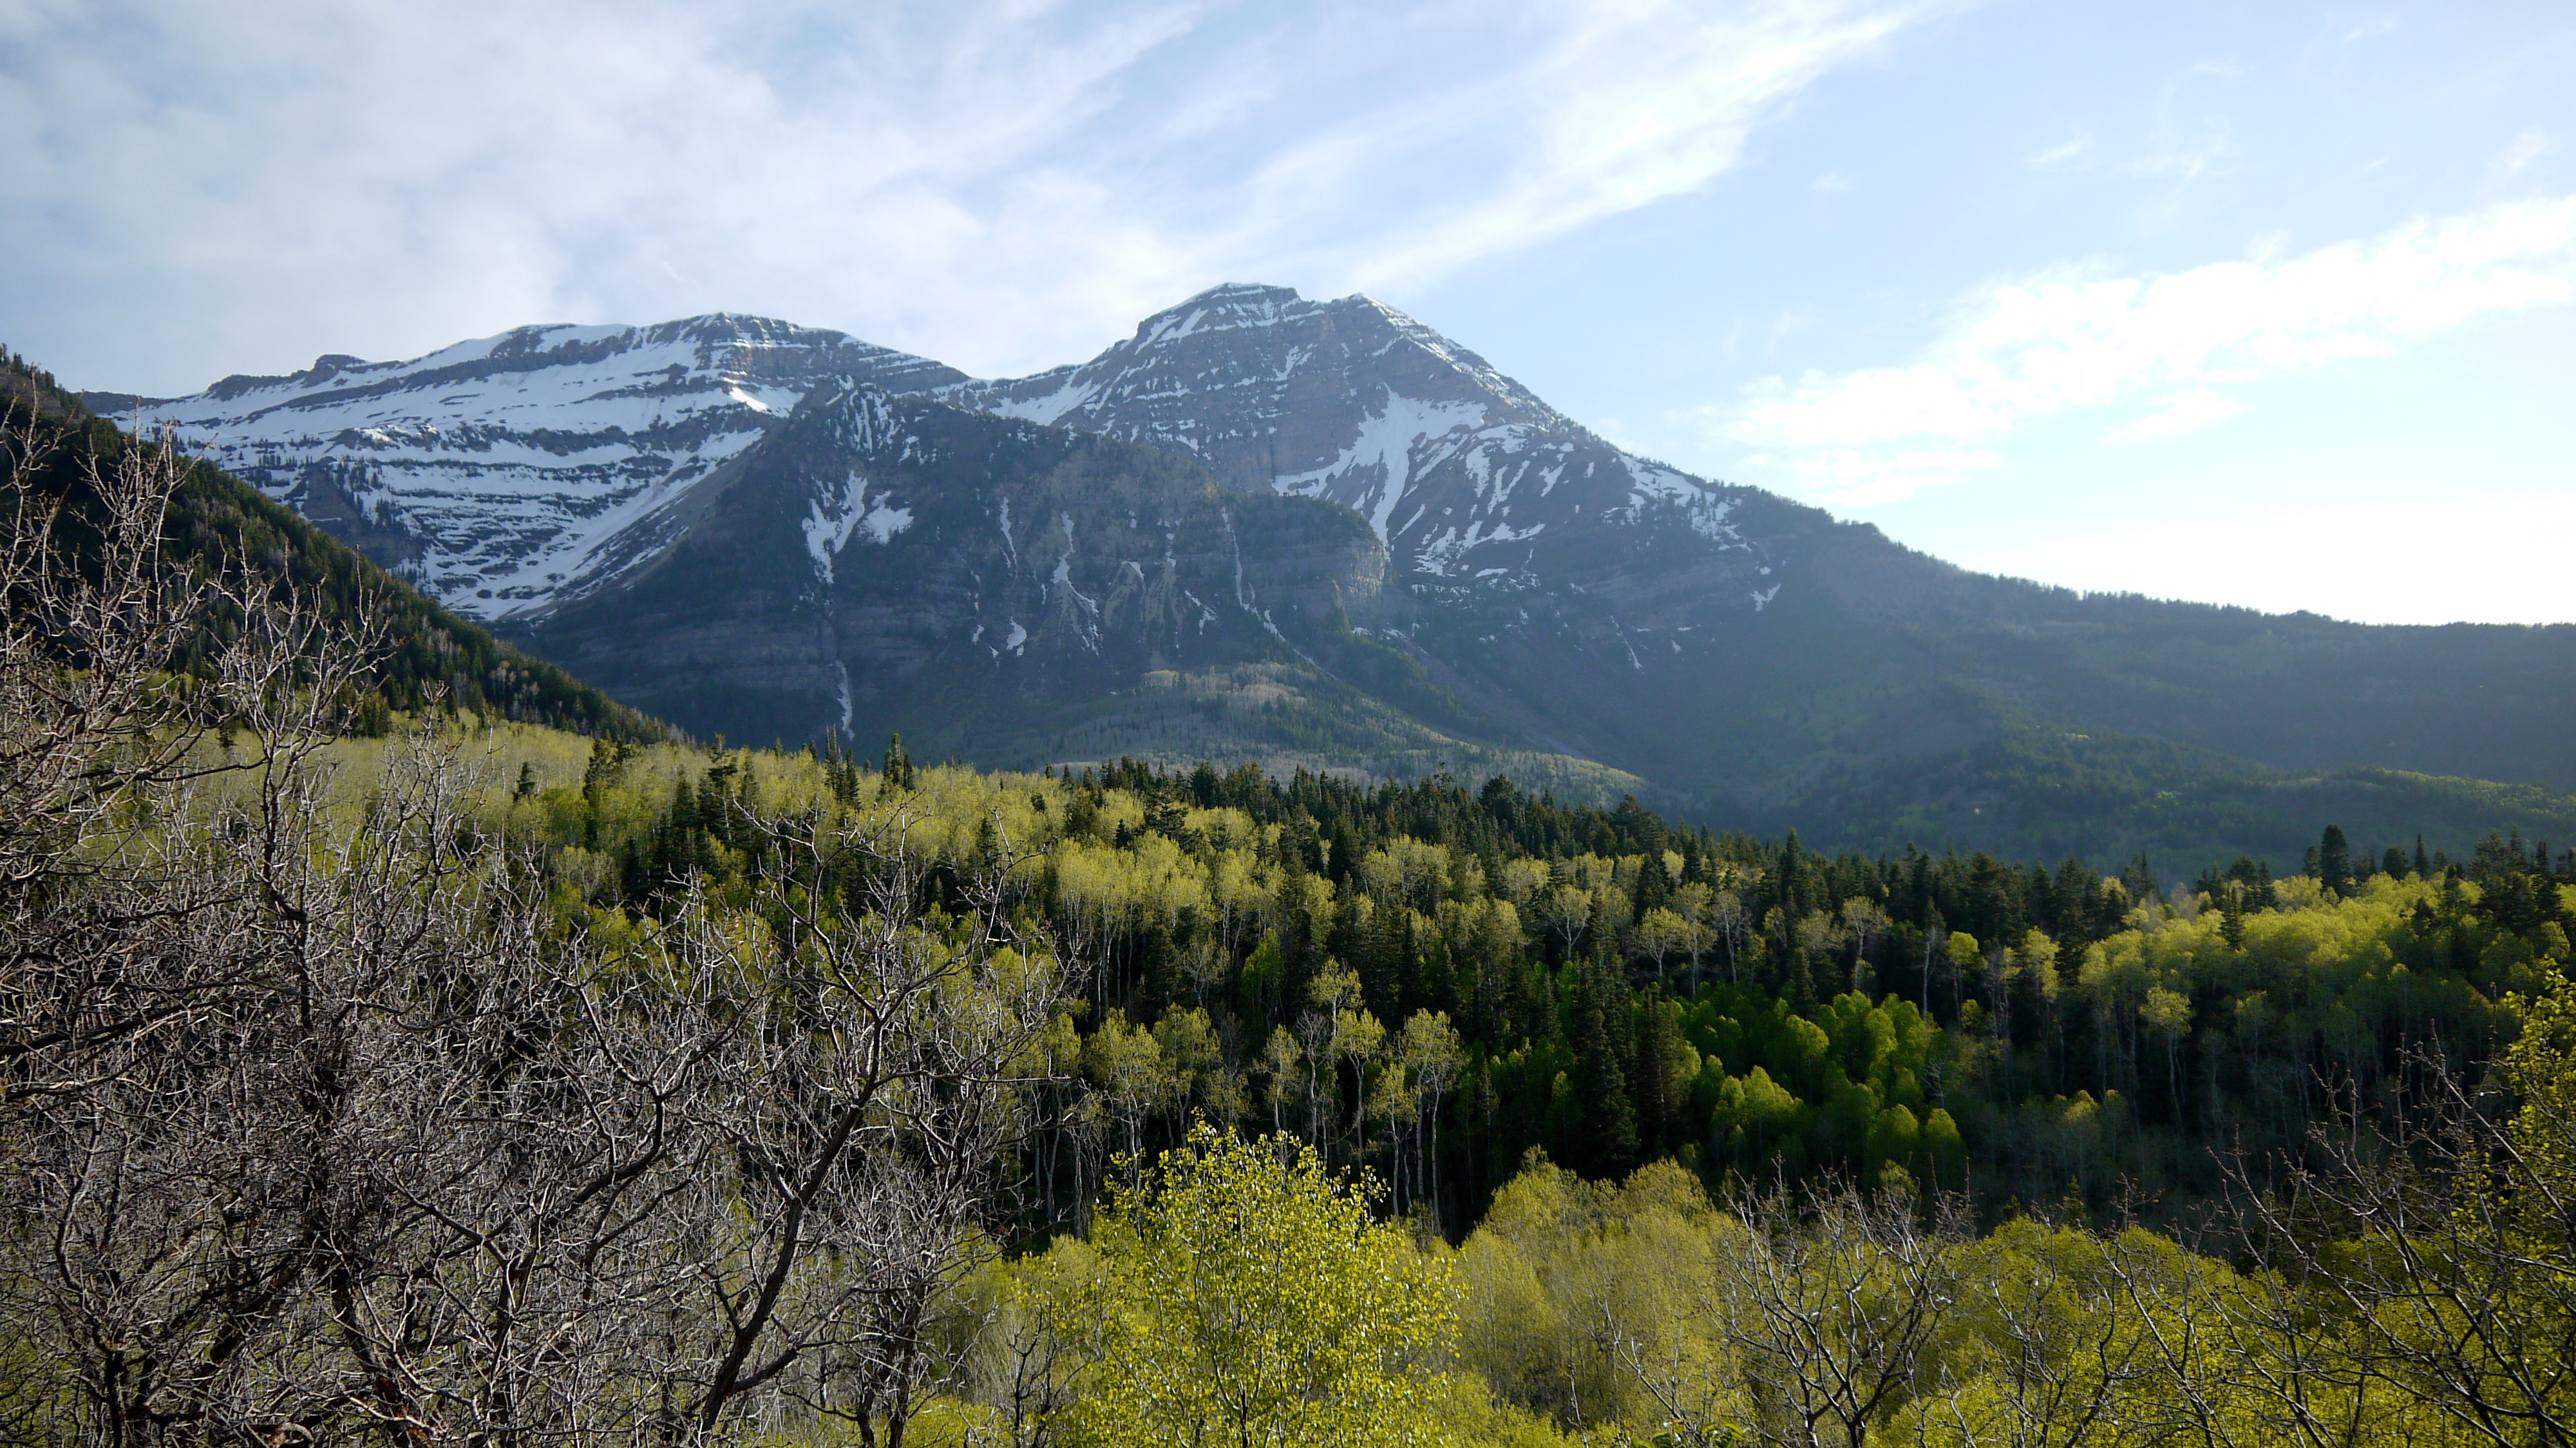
[(2362, 561), (2073, 340), (2183, 412), (1632, 104), (1004, 184)]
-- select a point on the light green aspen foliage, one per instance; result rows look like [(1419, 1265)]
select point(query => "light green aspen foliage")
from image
[(1246, 1300), (2540, 1067)]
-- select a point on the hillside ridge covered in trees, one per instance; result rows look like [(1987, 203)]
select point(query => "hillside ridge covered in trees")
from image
[(1437, 980)]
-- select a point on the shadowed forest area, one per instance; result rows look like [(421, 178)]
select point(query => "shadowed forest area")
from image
[(381, 1066)]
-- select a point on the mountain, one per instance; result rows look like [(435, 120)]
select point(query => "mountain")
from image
[(1010, 592), (502, 473), (1320, 532), (1463, 473)]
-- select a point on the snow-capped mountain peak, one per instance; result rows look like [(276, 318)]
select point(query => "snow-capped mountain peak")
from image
[(1455, 465)]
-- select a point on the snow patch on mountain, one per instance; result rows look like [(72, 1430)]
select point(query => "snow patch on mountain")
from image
[(1391, 440), (838, 516), (883, 522), (1442, 553), (1046, 407)]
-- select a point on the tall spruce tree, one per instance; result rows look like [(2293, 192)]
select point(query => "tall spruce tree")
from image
[(1608, 1110), (2334, 861)]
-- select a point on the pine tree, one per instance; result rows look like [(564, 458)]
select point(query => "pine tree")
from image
[(899, 773), (1654, 883), (2334, 861), (1609, 1112), (2140, 877)]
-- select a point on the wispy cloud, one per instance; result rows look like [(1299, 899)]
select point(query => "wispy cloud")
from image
[(2065, 155), (2159, 351), (2186, 411), (998, 182), (2528, 147), (1634, 104)]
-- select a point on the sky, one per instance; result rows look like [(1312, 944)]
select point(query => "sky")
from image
[(2268, 304)]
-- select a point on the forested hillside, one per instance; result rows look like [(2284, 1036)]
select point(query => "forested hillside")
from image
[(1436, 981)]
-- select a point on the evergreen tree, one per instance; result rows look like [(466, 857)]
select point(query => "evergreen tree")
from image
[(1608, 1111), (1654, 882), (2334, 861), (899, 773)]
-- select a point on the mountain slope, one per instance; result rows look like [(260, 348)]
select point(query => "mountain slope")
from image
[(1463, 472), (1017, 594), (1731, 643)]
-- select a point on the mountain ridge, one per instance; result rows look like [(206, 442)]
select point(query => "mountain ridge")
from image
[(491, 517)]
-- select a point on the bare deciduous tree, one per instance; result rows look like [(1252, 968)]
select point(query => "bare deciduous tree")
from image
[(1824, 1312), (2436, 1262)]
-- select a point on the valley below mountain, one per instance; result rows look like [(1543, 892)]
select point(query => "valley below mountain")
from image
[(1321, 535)]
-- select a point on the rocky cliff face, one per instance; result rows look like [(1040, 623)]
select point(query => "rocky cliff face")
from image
[(1568, 593), (888, 560), (1467, 476)]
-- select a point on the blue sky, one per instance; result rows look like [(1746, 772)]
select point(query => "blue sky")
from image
[(2271, 304)]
